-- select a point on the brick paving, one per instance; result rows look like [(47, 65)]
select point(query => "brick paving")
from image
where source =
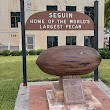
[(33, 97), (99, 94), (38, 99)]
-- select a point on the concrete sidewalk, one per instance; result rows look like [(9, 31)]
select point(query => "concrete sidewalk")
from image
[(33, 97)]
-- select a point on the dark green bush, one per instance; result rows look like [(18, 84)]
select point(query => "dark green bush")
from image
[(103, 49), (22, 52), (5, 53), (102, 53), (0, 53), (105, 53), (32, 52), (15, 53), (39, 51)]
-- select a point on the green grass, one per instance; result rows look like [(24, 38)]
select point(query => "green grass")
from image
[(11, 77)]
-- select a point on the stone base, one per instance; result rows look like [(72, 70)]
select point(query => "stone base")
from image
[(92, 104), (59, 94)]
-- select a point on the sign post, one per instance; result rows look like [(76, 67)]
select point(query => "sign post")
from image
[(109, 43), (23, 42), (61, 20), (96, 34)]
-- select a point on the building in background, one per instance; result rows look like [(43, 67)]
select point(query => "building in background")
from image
[(106, 38), (10, 27)]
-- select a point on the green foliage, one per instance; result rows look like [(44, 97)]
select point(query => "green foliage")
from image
[(35, 52), (32, 52), (105, 53), (15, 53), (18, 53), (5, 53), (102, 53), (104, 49), (39, 51), (22, 52), (107, 14), (0, 53)]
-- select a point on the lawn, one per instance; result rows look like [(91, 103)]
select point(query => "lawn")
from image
[(11, 77)]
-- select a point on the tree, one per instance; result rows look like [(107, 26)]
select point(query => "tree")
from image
[(107, 14)]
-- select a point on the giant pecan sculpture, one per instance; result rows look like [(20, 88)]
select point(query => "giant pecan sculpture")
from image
[(69, 60)]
